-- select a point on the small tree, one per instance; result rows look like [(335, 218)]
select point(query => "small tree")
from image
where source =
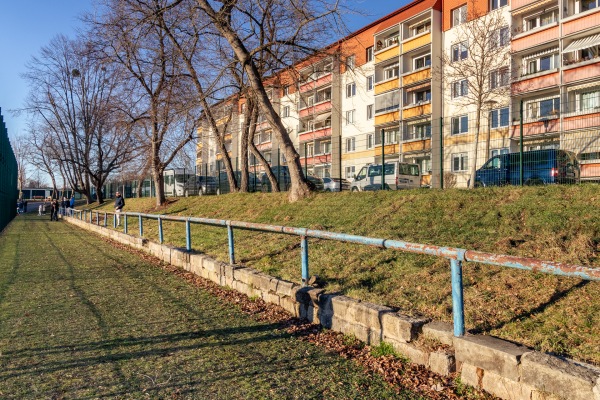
[(477, 67)]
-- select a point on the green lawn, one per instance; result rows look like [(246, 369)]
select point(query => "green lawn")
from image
[(80, 318), (558, 223)]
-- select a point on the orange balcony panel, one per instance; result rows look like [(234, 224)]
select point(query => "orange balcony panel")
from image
[(583, 72), (262, 126), (416, 43), (580, 24), (264, 146), (581, 121), (538, 82), (319, 108), (516, 4), (416, 111), (416, 76), (420, 145), (389, 117), (590, 170), (389, 85), (528, 41), (323, 80), (317, 134), (322, 159), (536, 128), (387, 54), (220, 155)]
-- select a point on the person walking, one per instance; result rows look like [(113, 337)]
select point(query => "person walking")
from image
[(54, 210), (119, 204), (40, 208), (72, 204)]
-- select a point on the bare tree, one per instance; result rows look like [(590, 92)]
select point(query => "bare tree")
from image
[(477, 68), (40, 155), (21, 150)]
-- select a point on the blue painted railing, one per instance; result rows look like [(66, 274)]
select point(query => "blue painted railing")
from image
[(456, 256)]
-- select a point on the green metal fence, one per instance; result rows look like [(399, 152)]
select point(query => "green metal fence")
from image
[(8, 178)]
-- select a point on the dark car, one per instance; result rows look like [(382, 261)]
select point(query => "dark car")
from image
[(223, 182), (200, 185), (315, 184), (540, 167), (282, 175), (334, 184)]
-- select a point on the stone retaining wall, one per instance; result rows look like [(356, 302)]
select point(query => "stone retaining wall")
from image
[(507, 370)]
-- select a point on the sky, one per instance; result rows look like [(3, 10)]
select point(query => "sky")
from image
[(27, 25)]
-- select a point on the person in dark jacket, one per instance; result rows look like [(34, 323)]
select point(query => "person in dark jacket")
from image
[(119, 204), (54, 210)]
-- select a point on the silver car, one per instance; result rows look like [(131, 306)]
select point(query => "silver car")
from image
[(334, 184)]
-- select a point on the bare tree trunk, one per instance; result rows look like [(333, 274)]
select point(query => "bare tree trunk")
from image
[(99, 194), (250, 118), (474, 167)]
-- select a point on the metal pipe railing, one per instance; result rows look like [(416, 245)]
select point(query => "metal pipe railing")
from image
[(456, 256)]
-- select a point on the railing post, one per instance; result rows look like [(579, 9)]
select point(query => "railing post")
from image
[(188, 235), (97, 218), (160, 231), (91, 217), (141, 226), (231, 244), (458, 315), (115, 220), (125, 223), (105, 218), (304, 258)]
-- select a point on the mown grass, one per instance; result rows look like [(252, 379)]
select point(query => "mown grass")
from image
[(82, 319), (558, 223)]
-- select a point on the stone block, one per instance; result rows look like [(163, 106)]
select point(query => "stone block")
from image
[(261, 281), (400, 327), (414, 354), (442, 363), (243, 275), (471, 375), (209, 264), (271, 297), (359, 331), (505, 388), (227, 275), (441, 331), (340, 304), (559, 376), (290, 305), (196, 263), (490, 354), (369, 314), (283, 288), (339, 325)]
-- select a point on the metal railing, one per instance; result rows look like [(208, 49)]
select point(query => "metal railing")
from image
[(456, 256)]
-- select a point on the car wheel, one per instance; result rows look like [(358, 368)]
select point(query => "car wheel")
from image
[(354, 189), (328, 190), (478, 184), (534, 182)]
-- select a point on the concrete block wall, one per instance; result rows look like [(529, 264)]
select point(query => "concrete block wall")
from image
[(505, 369)]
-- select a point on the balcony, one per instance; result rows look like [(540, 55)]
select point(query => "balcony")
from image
[(413, 77), (415, 43), (416, 146), (516, 4), (313, 83), (316, 133), (416, 110), (387, 118), (537, 81), (581, 21), (527, 40), (578, 70), (581, 120), (387, 86), (316, 159), (387, 53), (315, 109), (543, 127)]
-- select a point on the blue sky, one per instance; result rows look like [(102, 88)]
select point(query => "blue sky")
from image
[(27, 25)]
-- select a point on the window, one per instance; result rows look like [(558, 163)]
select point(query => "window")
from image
[(350, 89), (349, 117), (426, 165), (499, 118), (267, 156), (350, 172), (459, 15), (539, 20), (419, 28), (542, 63), (497, 152), (499, 78), (498, 3), (350, 62), (500, 37), (418, 131), (460, 124), (422, 96), (460, 88), (286, 90), (325, 147), (589, 100), (286, 111), (369, 141), (422, 61), (370, 111), (369, 53), (460, 162), (585, 5), (370, 83), (391, 72), (387, 102), (350, 144), (391, 136), (310, 149), (460, 51), (543, 108)]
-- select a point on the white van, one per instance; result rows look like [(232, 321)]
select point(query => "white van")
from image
[(398, 175)]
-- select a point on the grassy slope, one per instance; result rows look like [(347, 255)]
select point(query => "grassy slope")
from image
[(558, 223), (81, 319)]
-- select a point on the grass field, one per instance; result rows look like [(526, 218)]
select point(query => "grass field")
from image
[(558, 223), (80, 318)]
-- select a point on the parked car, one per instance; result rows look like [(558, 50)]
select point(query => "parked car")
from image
[(282, 175), (223, 182), (335, 184), (200, 185), (398, 175), (315, 184), (540, 167)]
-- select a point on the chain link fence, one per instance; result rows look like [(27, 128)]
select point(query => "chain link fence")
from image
[(8, 178)]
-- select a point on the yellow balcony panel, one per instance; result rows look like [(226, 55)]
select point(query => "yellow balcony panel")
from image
[(416, 111), (420, 145), (220, 155), (387, 54), (416, 43), (393, 148), (356, 155), (418, 76), (389, 117), (459, 139), (386, 86)]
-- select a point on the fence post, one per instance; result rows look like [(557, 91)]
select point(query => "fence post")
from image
[(441, 152), (91, 216), (115, 221), (231, 243), (188, 235), (97, 218), (125, 222), (458, 316), (521, 143), (160, 231), (382, 159), (141, 226), (304, 258)]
